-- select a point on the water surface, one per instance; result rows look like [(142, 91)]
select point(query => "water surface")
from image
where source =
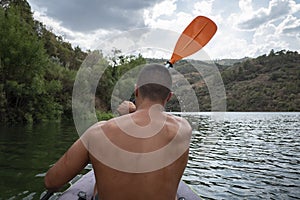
[(25, 155), (245, 156)]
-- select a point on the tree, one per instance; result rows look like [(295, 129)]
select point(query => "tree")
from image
[(119, 65), (272, 53), (29, 96)]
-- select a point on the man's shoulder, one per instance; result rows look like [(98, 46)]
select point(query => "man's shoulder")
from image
[(180, 121), (177, 118), (94, 130), (96, 126), (100, 126)]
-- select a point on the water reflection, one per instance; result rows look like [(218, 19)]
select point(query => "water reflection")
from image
[(26, 153)]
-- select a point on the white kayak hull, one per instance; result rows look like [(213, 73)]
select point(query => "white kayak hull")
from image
[(85, 187)]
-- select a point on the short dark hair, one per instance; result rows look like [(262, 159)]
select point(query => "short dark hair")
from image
[(154, 82)]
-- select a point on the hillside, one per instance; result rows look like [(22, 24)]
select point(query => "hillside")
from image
[(266, 83)]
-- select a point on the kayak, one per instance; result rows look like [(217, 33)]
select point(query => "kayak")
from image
[(84, 187)]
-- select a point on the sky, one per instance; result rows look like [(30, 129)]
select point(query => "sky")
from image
[(246, 28)]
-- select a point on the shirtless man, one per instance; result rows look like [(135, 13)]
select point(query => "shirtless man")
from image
[(145, 169)]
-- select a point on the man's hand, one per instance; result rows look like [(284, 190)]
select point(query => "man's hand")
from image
[(126, 107)]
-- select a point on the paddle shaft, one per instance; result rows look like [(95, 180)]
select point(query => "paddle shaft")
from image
[(47, 195)]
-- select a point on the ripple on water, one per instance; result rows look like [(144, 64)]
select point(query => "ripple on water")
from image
[(249, 156)]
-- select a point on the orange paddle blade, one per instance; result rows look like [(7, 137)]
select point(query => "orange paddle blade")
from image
[(195, 36)]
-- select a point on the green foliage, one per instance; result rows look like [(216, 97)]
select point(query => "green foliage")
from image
[(104, 116), (33, 87), (113, 73), (23, 64), (267, 83), (3, 103)]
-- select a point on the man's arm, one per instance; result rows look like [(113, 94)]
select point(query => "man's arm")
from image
[(67, 167)]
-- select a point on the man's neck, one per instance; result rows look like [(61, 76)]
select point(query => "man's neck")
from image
[(147, 104)]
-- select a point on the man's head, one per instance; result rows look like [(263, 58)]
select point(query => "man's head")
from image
[(154, 82)]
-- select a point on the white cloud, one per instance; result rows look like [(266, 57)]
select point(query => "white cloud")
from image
[(76, 38), (86, 16), (144, 41), (276, 9), (294, 6), (227, 44), (246, 6), (203, 7), (152, 15), (165, 15), (166, 7), (258, 31), (289, 25), (245, 27), (270, 36)]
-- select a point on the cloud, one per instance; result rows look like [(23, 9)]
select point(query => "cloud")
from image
[(167, 15), (257, 29), (290, 25), (203, 7), (159, 9), (143, 41), (159, 16), (78, 15), (76, 38), (246, 6), (276, 9), (285, 35), (245, 27)]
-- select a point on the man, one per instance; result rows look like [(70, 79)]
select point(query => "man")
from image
[(140, 155)]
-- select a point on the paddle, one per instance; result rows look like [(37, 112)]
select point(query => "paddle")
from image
[(195, 36)]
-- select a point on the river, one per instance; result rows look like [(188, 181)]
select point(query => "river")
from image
[(241, 156)]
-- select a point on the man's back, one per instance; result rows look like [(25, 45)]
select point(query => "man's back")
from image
[(160, 183), (136, 156)]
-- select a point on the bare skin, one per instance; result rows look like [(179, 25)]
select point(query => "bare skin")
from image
[(126, 107), (116, 184)]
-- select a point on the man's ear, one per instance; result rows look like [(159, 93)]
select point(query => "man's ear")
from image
[(169, 96), (136, 91)]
